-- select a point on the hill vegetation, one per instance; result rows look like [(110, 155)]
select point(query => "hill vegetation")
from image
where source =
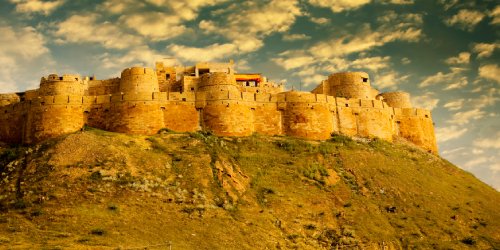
[(101, 190)]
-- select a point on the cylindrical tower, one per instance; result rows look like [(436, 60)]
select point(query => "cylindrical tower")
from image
[(225, 112), (6, 99), (305, 117), (350, 85), (139, 79), (62, 85), (398, 99)]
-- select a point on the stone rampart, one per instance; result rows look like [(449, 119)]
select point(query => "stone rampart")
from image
[(138, 79), (6, 99), (397, 99), (62, 85)]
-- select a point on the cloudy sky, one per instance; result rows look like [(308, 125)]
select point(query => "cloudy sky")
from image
[(444, 52)]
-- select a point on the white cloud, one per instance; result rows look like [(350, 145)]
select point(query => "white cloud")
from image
[(372, 63), (426, 101), (442, 78), (487, 143), (477, 161), (320, 20), (490, 72), (462, 118), (87, 28), (19, 47), (495, 15), (462, 58), (465, 19), (34, 6), (339, 5), (459, 83), (294, 61), (141, 55), (186, 10), (155, 25), (389, 80), (398, 2), (295, 37), (247, 26), (484, 50), (405, 60), (448, 133), (454, 105), (209, 53), (448, 3)]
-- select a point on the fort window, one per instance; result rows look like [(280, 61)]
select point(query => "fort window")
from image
[(60, 78), (426, 116), (192, 89), (167, 76), (347, 105), (364, 79), (183, 99)]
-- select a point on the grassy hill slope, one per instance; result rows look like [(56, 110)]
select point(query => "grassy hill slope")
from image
[(102, 190)]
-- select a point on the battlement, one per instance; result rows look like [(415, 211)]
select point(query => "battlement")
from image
[(211, 96)]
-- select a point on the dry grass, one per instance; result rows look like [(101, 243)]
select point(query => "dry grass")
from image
[(102, 190)]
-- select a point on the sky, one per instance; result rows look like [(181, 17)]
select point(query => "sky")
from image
[(445, 53)]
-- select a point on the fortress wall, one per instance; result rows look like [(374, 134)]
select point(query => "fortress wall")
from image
[(103, 87), (228, 118), (191, 83), (346, 121), (138, 79), (416, 126), (181, 116), (267, 118), (47, 119), (10, 98), (12, 121), (348, 85), (308, 120), (216, 78), (31, 94), (135, 117), (372, 122), (64, 85), (397, 99)]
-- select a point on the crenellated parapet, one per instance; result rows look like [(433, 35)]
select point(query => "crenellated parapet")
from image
[(211, 97)]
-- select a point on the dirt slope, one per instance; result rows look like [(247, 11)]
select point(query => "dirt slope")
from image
[(101, 190)]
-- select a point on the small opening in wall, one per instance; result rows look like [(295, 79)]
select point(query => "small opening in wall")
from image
[(364, 79), (162, 108), (347, 105), (167, 76), (426, 116), (398, 122), (192, 89), (60, 78), (183, 99)]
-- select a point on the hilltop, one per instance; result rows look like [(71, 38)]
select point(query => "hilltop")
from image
[(101, 190)]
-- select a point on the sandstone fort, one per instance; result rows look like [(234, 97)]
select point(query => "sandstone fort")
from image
[(212, 97)]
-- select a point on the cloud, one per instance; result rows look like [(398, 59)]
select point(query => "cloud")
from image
[(389, 80), (462, 118), (295, 37), (372, 63), (465, 19), (186, 10), (484, 50), (401, 2), (452, 78), (293, 62), (88, 29), (141, 55), (155, 25), (477, 161), (457, 84), (462, 58), (20, 46), (448, 133), (320, 20), (490, 72), (249, 23), (405, 61), (339, 5), (36, 6), (195, 54), (426, 101), (495, 15), (488, 143), (454, 105)]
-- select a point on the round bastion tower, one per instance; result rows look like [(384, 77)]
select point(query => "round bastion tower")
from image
[(137, 112), (57, 110), (350, 85), (225, 113), (398, 99)]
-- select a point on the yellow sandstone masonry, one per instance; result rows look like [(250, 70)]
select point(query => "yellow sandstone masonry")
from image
[(211, 97)]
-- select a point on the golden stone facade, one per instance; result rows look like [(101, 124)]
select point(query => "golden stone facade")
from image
[(212, 97)]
